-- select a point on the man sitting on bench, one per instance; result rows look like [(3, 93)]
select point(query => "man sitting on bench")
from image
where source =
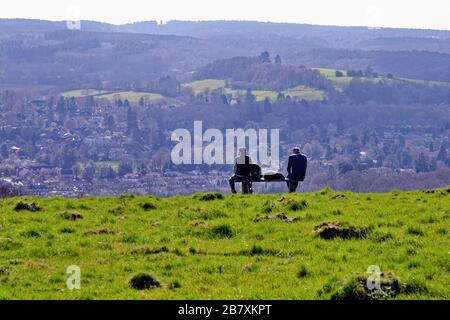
[(296, 169), (242, 170)]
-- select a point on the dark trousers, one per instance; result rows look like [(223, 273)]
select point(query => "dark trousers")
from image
[(232, 182), (292, 185)]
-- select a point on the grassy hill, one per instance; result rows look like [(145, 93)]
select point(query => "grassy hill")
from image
[(131, 96), (299, 92), (210, 246), (341, 82), (201, 86), (83, 93)]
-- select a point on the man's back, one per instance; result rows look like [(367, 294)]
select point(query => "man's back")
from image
[(297, 165), (242, 166)]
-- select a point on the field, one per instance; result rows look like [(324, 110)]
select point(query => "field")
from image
[(299, 92), (260, 95), (210, 246), (82, 93), (305, 93), (131, 96), (341, 82), (204, 85), (102, 164)]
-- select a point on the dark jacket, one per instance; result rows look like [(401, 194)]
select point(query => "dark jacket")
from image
[(297, 165), (242, 166)]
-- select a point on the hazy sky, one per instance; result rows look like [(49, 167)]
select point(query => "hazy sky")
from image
[(430, 14)]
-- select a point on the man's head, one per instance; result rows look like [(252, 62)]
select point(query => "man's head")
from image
[(242, 152), (296, 150)]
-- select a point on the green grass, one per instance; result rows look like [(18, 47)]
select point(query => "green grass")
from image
[(211, 247), (330, 74), (427, 82), (82, 93), (201, 86), (299, 92), (342, 82), (132, 96), (261, 95), (302, 92), (102, 164)]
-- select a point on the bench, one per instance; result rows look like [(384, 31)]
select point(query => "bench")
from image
[(246, 182)]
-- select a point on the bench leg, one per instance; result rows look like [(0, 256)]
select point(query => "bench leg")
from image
[(246, 187)]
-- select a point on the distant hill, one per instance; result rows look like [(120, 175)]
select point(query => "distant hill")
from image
[(333, 36), (106, 56)]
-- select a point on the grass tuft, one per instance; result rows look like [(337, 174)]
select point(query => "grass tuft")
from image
[(143, 281), (222, 231), (23, 206)]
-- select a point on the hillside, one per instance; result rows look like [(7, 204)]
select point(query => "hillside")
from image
[(210, 246), (41, 56)]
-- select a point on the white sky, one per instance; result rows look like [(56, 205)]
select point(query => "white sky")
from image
[(429, 14)]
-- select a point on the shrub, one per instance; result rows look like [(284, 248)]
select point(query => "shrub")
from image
[(103, 231), (222, 231), (175, 285), (31, 234), (416, 286), (4, 270), (257, 250), (209, 196), (326, 190), (212, 214), (116, 211), (72, 216), (302, 272), (355, 288), (150, 250), (143, 281), (331, 230), (415, 231), (23, 206), (381, 237), (67, 230), (147, 206), (297, 205), (267, 209), (126, 196)]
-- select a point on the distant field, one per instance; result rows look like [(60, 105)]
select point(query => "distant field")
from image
[(207, 84), (260, 95), (427, 82), (132, 96), (102, 164), (213, 246), (302, 92), (339, 82), (342, 82), (82, 93), (299, 92)]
